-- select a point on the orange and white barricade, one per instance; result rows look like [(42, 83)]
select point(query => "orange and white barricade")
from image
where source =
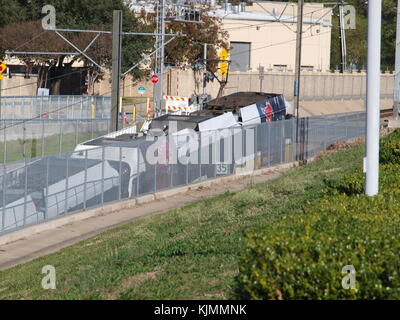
[(178, 105)]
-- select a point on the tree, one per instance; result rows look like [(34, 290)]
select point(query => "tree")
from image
[(74, 14), (185, 51), (356, 39)]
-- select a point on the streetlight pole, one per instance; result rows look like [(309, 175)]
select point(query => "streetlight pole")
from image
[(373, 97), (396, 105)]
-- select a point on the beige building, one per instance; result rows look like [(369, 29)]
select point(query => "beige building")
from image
[(265, 34)]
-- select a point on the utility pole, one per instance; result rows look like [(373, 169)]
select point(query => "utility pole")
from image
[(299, 38), (396, 106), (160, 43), (116, 68), (343, 47), (205, 66), (373, 97)]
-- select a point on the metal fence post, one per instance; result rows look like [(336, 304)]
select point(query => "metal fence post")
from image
[(155, 177), (102, 174), (46, 210), (5, 145), (137, 171), (25, 190), (82, 106), (233, 149), (187, 172), (120, 174), (85, 181), (60, 137), (255, 146), (4, 196), (24, 140), (269, 144), (294, 146), (282, 140), (91, 125), (58, 107), (200, 148), (170, 164), (42, 138), (66, 184), (76, 132)]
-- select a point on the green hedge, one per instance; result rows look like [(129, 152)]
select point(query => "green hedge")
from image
[(302, 256), (353, 184), (390, 148)]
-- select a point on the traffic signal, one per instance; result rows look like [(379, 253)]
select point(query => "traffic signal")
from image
[(3, 68), (223, 65)]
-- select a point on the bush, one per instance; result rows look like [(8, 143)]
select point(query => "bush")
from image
[(353, 184), (302, 256), (390, 149)]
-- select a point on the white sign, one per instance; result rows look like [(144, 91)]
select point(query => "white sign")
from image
[(141, 90), (41, 92)]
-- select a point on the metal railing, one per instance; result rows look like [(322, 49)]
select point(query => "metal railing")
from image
[(55, 107), (41, 137), (40, 189)]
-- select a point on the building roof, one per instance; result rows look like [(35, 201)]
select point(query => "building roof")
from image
[(229, 13), (257, 16)]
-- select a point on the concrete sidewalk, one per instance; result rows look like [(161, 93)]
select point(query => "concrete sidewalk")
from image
[(36, 244)]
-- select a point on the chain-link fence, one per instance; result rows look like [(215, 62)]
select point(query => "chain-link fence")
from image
[(55, 107), (41, 137), (39, 189)]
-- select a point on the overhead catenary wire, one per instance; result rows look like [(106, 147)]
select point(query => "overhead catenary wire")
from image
[(89, 97), (277, 44), (109, 92), (102, 31), (288, 20)]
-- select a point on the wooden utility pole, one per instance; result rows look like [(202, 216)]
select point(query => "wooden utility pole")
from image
[(299, 38)]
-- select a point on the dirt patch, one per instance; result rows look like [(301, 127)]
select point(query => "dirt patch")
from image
[(348, 144), (331, 170), (132, 282), (229, 273)]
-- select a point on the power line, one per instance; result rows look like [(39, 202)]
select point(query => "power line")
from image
[(289, 19), (104, 93), (277, 44)]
